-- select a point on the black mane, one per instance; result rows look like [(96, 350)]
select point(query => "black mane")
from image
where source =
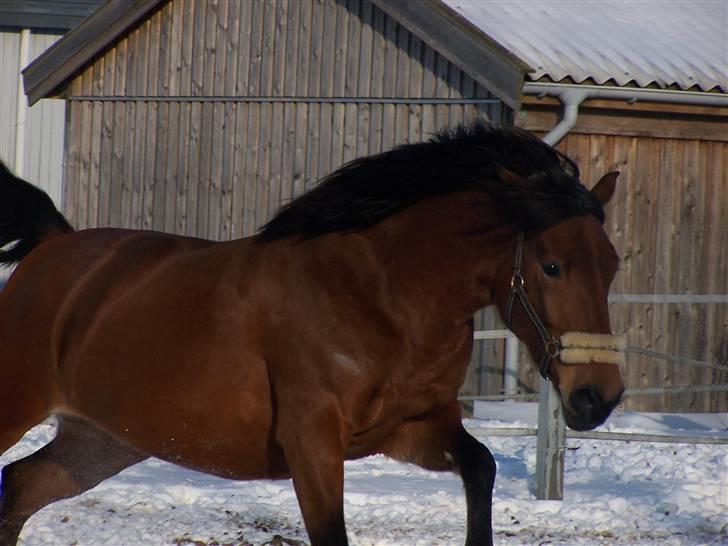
[(368, 190)]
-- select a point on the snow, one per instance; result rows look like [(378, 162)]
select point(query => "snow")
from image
[(616, 493)]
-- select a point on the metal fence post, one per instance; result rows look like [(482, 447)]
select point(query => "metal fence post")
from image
[(510, 379), (551, 445)]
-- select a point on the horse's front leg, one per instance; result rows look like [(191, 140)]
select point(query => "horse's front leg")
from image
[(439, 442), (313, 443)]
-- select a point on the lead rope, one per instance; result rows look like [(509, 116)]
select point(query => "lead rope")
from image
[(552, 346)]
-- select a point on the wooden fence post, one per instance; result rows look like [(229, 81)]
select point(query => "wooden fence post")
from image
[(551, 445)]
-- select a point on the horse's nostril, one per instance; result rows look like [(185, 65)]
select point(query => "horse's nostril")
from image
[(586, 400)]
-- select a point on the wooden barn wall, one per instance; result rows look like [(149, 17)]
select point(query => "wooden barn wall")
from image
[(210, 115), (668, 222)]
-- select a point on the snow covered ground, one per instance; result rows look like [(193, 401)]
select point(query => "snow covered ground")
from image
[(616, 493)]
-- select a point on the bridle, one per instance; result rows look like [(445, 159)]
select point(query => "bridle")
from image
[(572, 347), (552, 346)]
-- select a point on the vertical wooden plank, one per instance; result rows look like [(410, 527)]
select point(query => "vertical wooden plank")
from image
[(280, 47), (219, 115), (82, 212), (416, 71), (262, 175), (73, 159), (700, 314), (251, 166), (197, 82), (129, 177), (267, 47), (256, 45), (161, 150), (230, 123), (131, 61), (220, 118), (183, 145), (690, 327), (314, 90), (240, 160), (171, 167), (269, 54), (199, 121), (153, 27), (277, 160), (288, 151), (204, 168), (455, 84), (245, 22), (302, 86), (442, 90), (190, 218), (371, 77), (429, 87), (715, 270), (140, 87), (402, 85), (187, 42), (171, 74), (326, 120), (341, 60), (222, 39), (106, 140), (390, 78), (95, 163), (290, 109)]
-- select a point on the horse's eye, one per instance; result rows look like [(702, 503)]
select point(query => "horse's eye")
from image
[(551, 270)]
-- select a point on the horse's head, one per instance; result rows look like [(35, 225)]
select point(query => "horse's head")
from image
[(557, 305)]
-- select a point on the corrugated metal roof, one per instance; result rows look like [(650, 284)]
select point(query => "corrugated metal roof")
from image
[(651, 43)]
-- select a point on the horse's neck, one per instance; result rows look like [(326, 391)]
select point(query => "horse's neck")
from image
[(438, 256)]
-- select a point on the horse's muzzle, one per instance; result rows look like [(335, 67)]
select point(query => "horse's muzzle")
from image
[(587, 409)]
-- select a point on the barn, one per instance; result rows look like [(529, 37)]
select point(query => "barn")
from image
[(201, 118)]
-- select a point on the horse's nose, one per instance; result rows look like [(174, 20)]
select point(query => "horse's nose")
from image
[(589, 407), (586, 401)]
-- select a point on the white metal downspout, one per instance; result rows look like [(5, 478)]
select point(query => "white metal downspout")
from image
[(571, 99), (21, 111)]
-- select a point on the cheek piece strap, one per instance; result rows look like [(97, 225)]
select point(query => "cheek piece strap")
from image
[(571, 348)]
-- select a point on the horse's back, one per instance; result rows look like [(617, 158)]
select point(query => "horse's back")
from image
[(150, 336)]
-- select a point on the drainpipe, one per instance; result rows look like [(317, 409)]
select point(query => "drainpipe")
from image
[(21, 111), (571, 99), (572, 95)]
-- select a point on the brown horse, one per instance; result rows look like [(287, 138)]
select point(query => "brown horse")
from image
[(343, 329)]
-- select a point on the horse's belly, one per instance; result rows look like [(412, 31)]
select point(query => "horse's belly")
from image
[(215, 416)]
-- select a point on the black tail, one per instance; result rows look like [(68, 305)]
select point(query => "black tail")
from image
[(27, 217)]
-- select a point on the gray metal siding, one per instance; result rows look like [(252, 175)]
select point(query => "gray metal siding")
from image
[(45, 121)]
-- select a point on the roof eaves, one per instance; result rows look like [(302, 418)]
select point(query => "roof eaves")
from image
[(468, 47), (46, 75)]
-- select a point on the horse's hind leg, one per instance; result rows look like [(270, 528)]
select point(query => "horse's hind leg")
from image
[(78, 458), (440, 442)]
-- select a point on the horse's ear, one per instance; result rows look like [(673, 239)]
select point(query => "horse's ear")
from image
[(509, 177), (604, 189)]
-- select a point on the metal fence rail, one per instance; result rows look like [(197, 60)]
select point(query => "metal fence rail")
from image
[(551, 431), (721, 438)]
